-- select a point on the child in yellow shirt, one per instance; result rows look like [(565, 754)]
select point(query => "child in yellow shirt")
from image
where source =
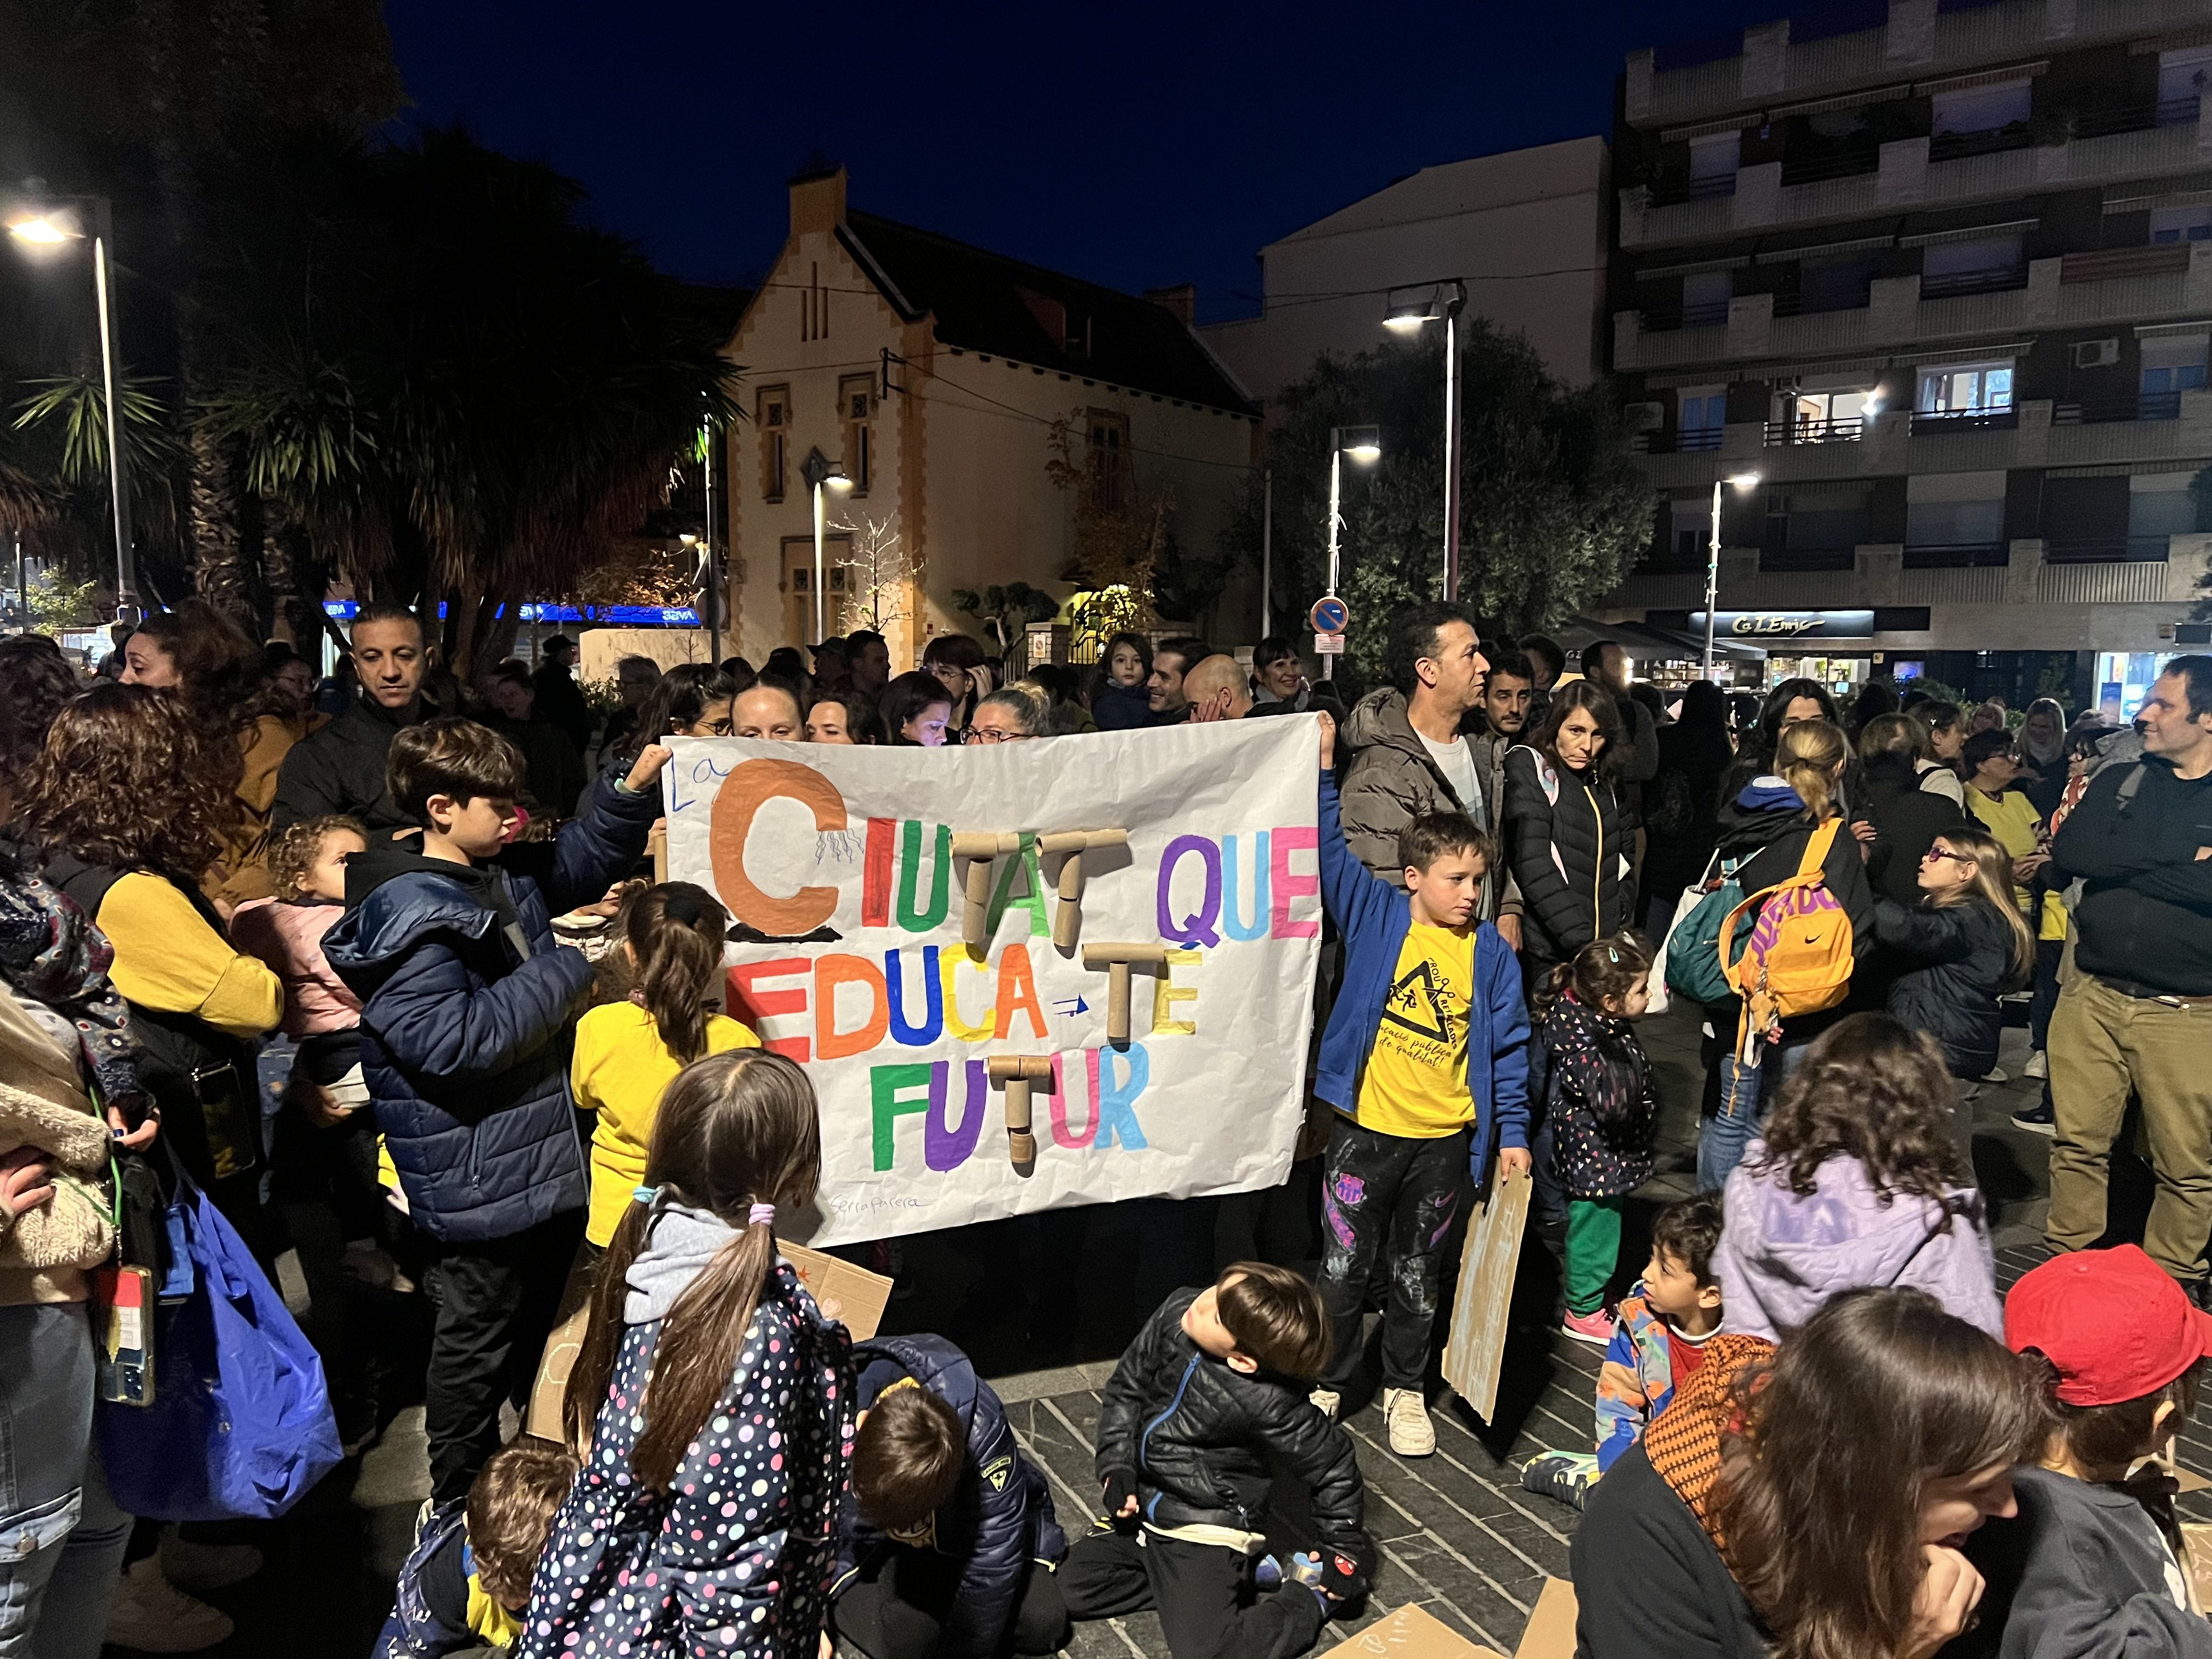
[(628, 1052)]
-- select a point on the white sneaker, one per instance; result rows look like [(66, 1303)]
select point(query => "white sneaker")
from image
[(192, 1566), (1326, 1401), (2038, 1064), (1406, 1417), (153, 1616), (1996, 1074)]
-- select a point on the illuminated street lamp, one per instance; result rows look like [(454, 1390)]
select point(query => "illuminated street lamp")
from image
[(1741, 481), (821, 472), (1445, 300), (1364, 445), (50, 228)]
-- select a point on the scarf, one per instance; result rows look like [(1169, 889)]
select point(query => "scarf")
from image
[(1684, 1441), (51, 952)]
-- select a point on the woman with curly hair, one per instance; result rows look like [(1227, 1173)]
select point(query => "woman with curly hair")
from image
[(128, 808), (35, 682), (1817, 1501), (201, 656), (1858, 1180)]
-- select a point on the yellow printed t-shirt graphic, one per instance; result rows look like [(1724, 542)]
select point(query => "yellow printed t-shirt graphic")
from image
[(1416, 1080)]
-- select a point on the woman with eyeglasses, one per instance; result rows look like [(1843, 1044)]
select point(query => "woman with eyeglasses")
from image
[(1013, 713), (1967, 944), (1993, 767)]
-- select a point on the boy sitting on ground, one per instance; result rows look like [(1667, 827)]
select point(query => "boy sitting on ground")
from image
[(1658, 1339), (1212, 1391), (947, 1545), (2092, 1564), (1426, 1061), (466, 1583)]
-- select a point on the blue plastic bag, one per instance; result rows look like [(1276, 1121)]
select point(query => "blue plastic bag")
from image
[(241, 1424)]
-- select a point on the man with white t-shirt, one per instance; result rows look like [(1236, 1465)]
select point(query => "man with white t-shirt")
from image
[(1411, 759)]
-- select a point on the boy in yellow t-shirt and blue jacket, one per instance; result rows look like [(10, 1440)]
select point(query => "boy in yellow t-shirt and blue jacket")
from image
[(1425, 1060)]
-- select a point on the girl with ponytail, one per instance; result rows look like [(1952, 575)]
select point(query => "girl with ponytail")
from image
[(711, 1403), (628, 1052)]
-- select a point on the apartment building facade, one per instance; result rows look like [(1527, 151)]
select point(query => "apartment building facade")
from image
[(1939, 273)]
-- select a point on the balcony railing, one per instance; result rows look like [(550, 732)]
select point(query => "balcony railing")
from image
[(2135, 118), (2105, 549), (1846, 429), (1689, 441), (1955, 555), (2136, 406), (1990, 279), (1809, 558), (1846, 164), (1672, 192), (1933, 423), (1957, 146), (1706, 314), (1814, 305)]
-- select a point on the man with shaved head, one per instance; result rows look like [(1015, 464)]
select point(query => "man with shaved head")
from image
[(1217, 689)]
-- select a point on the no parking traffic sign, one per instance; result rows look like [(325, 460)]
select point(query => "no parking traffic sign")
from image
[(1329, 615)]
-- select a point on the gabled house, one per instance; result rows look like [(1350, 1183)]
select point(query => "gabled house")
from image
[(934, 374)]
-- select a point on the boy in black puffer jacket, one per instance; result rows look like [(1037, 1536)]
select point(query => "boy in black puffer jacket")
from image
[(468, 1004), (1212, 1387)]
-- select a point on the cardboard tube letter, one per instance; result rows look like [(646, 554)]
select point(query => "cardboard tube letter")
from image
[(1017, 1072), (1116, 957), (1068, 916), (979, 848)]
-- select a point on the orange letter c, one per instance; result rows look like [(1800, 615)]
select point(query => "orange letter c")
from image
[(742, 793)]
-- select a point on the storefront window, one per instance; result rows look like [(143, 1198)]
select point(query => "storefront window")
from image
[(2124, 678)]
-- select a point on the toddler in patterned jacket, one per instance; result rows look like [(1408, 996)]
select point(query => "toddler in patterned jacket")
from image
[(1599, 1094)]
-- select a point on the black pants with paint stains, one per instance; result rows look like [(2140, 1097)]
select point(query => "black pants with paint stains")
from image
[(1394, 1197), (1209, 1607)]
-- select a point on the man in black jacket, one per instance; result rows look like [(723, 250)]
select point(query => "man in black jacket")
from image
[(560, 700), (1212, 1391), (2137, 1014), (341, 768)]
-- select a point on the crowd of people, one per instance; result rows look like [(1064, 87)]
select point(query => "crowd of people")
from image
[(293, 943)]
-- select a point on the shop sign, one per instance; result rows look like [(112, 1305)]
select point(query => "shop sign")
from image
[(1787, 625)]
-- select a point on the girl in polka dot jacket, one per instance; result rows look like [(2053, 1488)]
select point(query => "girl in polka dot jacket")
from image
[(703, 1519)]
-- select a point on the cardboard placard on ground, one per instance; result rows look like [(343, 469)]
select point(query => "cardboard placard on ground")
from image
[(2197, 1546), (853, 1296), (1551, 1632), (1484, 1296), (1411, 1632)]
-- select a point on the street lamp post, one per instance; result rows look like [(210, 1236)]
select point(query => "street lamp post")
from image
[(50, 228), (1447, 300), (1741, 481), (821, 472), (1364, 444)]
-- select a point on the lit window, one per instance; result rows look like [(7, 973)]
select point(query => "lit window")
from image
[(1965, 388)]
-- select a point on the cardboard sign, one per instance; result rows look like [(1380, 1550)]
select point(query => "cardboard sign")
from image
[(1551, 1632), (853, 1296), (1476, 1350), (1139, 909), (1411, 1632)]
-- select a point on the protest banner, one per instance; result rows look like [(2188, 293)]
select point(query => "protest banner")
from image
[(1139, 911)]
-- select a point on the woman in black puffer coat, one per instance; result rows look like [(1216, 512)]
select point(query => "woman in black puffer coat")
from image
[(1567, 837), (1962, 947)]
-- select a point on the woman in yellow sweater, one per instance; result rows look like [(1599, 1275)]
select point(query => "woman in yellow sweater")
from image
[(128, 811), (628, 1052)]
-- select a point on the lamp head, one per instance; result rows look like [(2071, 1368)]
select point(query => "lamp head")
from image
[(44, 227), (835, 478), (1743, 480), (1362, 443), (1405, 316)]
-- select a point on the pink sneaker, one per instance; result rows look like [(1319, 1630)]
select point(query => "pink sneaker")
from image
[(1596, 1327)]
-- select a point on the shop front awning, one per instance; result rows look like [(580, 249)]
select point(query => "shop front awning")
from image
[(1645, 643)]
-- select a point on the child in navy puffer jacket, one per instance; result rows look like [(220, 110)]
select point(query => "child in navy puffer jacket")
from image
[(467, 1007)]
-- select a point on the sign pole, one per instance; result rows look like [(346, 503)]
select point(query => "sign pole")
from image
[(1712, 579)]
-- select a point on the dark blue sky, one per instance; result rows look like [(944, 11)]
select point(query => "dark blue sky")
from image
[(1137, 144)]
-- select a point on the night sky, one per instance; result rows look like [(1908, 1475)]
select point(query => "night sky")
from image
[(1137, 144)]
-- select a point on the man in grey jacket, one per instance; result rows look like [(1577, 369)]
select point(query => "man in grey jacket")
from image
[(1411, 759)]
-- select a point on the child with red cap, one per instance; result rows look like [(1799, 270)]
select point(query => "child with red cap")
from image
[(2092, 1565)]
